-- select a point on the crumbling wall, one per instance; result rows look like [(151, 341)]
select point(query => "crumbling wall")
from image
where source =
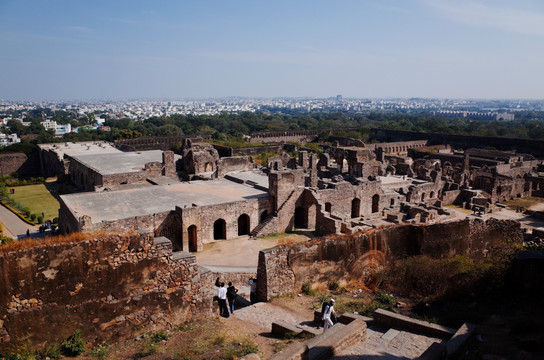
[(235, 163), (284, 269), (110, 287)]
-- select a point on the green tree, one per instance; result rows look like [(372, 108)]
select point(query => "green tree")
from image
[(168, 130)]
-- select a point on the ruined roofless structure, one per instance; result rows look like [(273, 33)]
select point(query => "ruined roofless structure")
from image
[(349, 188)]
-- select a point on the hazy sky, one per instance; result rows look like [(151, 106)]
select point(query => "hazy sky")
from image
[(113, 49)]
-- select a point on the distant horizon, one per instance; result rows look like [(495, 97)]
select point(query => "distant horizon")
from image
[(234, 97), (363, 49)]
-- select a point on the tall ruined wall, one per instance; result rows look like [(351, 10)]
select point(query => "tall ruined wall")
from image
[(82, 175), (110, 288), (284, 269)]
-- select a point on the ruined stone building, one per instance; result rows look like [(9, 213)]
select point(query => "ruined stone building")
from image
[(346, 189)]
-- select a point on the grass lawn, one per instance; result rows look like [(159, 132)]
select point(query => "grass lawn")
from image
[(38, 199)]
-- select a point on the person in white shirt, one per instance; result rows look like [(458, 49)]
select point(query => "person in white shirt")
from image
[(222, 296), (326, 317)]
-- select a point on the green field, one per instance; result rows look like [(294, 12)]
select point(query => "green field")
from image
[(38, 199)]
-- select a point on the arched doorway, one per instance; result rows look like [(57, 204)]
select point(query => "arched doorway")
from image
[(355, 208), (301, 217), (193, 240), (328, 207), (243, 225), (208, 167), (376, 203), (220, 230), (263, 216), (422, 196)]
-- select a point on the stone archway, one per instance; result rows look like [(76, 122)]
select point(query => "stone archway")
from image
[(220, 230), (355, 208), (193, 238), (376, 203), (243, 225), (301, 217)]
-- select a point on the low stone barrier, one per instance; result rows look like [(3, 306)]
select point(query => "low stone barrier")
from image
[(460, 339), (390, 319), (281, 328)]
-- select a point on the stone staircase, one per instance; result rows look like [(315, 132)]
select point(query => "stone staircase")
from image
[(255, 232)]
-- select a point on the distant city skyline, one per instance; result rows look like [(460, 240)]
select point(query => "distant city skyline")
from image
[(74, 50)]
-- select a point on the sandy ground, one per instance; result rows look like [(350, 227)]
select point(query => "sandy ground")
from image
[(243, 251)]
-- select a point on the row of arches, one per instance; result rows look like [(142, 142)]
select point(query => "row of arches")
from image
[(220, 229), (301, 213)]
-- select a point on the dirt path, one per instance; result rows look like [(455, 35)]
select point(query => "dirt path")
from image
[(264, 314)]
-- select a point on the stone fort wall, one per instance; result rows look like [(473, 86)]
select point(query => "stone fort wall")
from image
[(302, 136), (528, 146), (10, 163), (111, 288), (20, 163), (284, 269), (155, 142)]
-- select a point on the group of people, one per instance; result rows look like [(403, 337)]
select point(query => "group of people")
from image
[(230, 294), (223, 294)]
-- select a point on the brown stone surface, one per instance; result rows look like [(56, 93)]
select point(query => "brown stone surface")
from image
[(118, 284)]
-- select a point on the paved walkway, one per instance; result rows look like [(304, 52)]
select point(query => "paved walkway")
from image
[(389, 345), (13, 226)]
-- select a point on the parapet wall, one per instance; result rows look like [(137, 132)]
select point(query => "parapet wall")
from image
[(284, 269), (111, 287)]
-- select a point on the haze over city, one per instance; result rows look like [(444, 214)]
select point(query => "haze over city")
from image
[(206, 49)]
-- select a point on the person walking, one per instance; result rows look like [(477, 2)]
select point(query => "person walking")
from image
[(222, 299), (252, 290), (327, 314), (231, 296)]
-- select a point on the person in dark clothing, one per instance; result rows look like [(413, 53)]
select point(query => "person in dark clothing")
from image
[(217, 282), (231, 296)]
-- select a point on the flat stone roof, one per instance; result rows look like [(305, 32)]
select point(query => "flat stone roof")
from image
[(250, 177), (122, 204), (81, 148), (121, 162)]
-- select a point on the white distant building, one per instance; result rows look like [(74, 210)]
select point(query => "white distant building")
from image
[(6, 140), (48, 124), (63, 129)]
